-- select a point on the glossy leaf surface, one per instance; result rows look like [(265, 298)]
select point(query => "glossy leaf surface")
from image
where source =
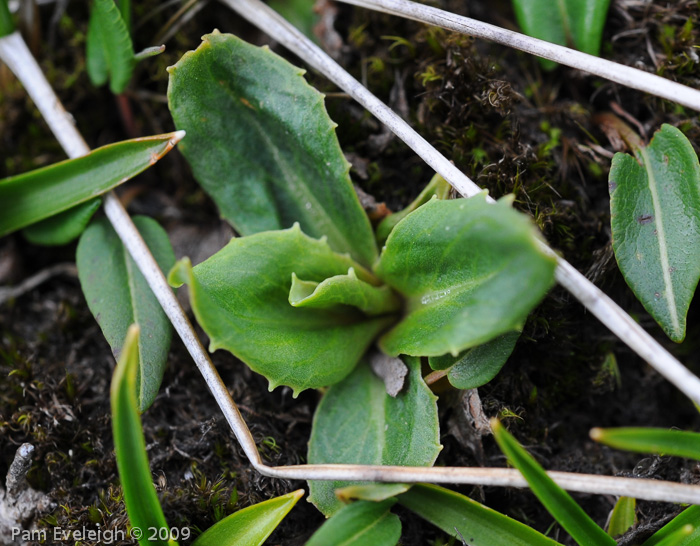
[(358, 422), (651, 440), (39, 194), (624, 516), (670, 531), (654, 204), (557, 501), (250, 526), (110, 53), (140, 498), (573, 23), (477, 366), (469, 271), (64, 227), (262, 145), (360, 524), (240, 297), (459, 516), (118, 296)]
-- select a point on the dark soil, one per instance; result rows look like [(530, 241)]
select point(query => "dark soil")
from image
[(505, 122)]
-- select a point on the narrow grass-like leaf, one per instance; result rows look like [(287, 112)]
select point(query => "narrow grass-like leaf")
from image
[(437, 186), (371, 492), (262, 145), (624, 516), (573, 23), (110, 53), (469, 270), (669, 533), (241, 295), (462, 517), (651, 440), (250, 526), (557, 501), (140, 498), (360, 524), (118, 295), (358, 422), (654, 199), (34, 196), (477, 366), (64, 227)]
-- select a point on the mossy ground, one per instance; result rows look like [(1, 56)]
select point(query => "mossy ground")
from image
[(509, 125)]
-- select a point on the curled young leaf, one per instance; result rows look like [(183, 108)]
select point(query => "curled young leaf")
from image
[(358, 422), (241, 297), (469, 271), (654, 203), (262, 145)]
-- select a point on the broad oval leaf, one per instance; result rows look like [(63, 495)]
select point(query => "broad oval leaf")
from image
[(360, 524), (651, 440), (469, 270), (39, 194), (140, 498), (240, 297), (109, 51), (477, 366), (624, 516), (118, 295), (358, 422), (654, 209), (573, 23), (250, 526), (64, 227), (675, 529), (459, 516), (557, 501), (262, 145)]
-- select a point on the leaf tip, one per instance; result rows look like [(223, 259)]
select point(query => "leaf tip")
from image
[(177, 136), (596, 434), (180, 273)]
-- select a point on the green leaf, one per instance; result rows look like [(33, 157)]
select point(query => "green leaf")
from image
[(34, 196), (651, 440), (118, 295), (437, 186), (64, 227), (250, 526), (476, 367), (110, 53), (298, 12), (462, 517), (241, 294), (624, 516), (140, 496), (7, 24), (573, 23), (262, 145), (371, 492), (557, 501), (344, 290), (654, 200), (469, 270), (358, 422), (673, 533), (360, 524)]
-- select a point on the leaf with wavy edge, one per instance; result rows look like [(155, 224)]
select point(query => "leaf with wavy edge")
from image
[(358, 422), (654, 204), (240, 297), (261, 144), (469, 271)]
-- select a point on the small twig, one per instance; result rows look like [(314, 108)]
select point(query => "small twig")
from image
[(607, 311), (13, 292), (16, 479), (625, 75)]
